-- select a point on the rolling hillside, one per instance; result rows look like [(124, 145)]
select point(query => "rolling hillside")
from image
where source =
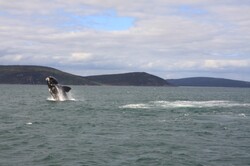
[(37, 75), (208, 82), (130, 79)]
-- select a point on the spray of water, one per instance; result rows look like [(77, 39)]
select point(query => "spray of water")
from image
[(61, 96)]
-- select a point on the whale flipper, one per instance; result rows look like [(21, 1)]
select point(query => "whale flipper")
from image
[(66, 88)]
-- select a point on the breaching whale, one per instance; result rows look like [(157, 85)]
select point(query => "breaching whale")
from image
[(57, 91)]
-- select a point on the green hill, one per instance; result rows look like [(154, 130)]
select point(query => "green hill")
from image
[(14, 74), (208, 82), (37, 75), (130, 79)]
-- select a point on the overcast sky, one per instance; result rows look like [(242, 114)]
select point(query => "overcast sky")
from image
[(168, 38)]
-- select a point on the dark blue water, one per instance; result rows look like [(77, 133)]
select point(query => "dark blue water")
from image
[(125, 126)]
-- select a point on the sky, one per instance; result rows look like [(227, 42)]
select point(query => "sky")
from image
[(167, 38)]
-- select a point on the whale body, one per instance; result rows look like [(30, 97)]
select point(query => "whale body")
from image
[(58, 92)]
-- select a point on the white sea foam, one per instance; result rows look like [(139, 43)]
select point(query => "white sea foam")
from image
[(186, 104), (197, 104), (140, 106), (242, 115)]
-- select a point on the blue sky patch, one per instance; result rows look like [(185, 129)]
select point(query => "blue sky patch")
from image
[(190, 10), (107, 21)]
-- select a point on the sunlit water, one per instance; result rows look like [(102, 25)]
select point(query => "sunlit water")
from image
[(125, 126)]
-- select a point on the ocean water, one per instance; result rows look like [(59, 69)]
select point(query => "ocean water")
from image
[(125, 126)]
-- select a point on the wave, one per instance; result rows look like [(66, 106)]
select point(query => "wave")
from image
[(186, 104), (141, 106)]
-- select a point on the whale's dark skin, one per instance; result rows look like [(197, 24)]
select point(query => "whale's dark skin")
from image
[(54, 88)]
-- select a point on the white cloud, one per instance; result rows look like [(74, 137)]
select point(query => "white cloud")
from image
[(80, 56), (17, 57), (218, 64)]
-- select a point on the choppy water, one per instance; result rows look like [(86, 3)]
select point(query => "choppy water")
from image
[(125, 126)]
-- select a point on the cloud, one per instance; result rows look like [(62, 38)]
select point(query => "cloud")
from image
[(80, 56), (219, 64), (163, 37), (75, 58)]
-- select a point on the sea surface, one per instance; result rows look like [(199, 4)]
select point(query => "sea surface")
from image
[(113, 126)]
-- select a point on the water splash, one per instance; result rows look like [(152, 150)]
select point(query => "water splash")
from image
[(69, 98), (62, 96)]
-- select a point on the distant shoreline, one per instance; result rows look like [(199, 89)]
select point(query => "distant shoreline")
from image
[(35, 75)]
